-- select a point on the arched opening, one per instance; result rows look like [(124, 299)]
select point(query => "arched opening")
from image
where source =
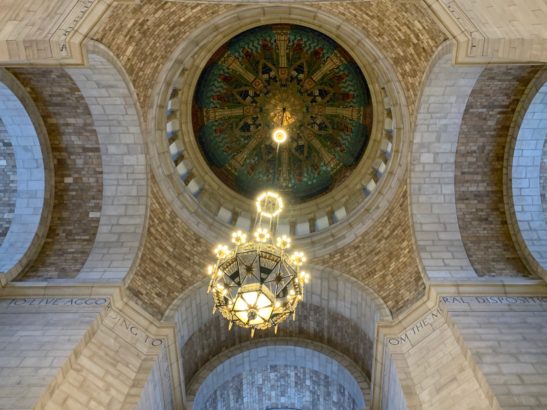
[(526, 178), (279, 376), (27, 168), (337, 312)]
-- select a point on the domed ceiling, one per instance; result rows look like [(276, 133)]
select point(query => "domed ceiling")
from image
[(289, 76)]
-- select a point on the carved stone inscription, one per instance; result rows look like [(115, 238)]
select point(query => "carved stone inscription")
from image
[(57, 301), (70, 23), (418, 329), (131, 332), (505, 300)]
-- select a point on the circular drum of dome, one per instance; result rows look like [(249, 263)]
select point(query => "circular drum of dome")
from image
[(282, 76)]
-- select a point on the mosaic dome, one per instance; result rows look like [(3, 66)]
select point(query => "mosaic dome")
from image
[(290, 76)]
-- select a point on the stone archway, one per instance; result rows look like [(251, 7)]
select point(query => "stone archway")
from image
[(337, 312), (442, 104), (112, 104)]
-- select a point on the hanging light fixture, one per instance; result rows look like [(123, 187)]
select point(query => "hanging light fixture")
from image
[(258, 284)]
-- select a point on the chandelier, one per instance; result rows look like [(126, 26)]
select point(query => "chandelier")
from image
[(257, 284)]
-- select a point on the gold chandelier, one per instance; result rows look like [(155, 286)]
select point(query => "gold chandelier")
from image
[(257, 284)]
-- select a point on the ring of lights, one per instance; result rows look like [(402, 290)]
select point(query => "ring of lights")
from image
[(211, 208)]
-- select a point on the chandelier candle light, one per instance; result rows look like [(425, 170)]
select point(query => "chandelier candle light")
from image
[(258, 284)]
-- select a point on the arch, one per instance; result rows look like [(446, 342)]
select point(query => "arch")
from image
[(441, 107), (337, 311), (111, 101), (479, 186), (34, 170), (525, 203), (387, 93), (289, 355)]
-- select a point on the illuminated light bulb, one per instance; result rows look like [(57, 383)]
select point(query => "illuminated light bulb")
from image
[(221, 251), (279, 135), (269, 204), (239, 238), (298, 258), (307, 278), (220, 286), (210, 269), (277, 304), (262, 235), (284, 242)]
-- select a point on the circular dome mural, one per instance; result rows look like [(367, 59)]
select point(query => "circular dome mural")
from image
[(282, 76)]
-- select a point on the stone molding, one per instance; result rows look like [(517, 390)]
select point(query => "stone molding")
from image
[(60, 43), (56, 289), (475, 39), (386, 91), (30, 222)]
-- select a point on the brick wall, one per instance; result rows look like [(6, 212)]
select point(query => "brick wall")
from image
[(150, 33), (8, 182), (383, 258), (479, 170), (78, 173), (37, 336), (403, 31), (172, 257), (508, 342)]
